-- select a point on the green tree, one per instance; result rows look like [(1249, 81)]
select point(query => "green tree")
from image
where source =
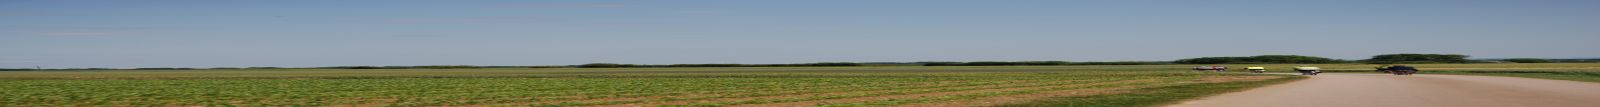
[(604, 65), (1418, 58), (1274, 59), (1527, 60)]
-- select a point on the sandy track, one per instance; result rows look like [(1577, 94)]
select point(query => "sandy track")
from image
[(1379, 90)]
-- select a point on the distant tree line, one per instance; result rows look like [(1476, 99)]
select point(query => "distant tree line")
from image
[(995, 63), (1035, 63), (1262, 59), (1527, 60), (406, 67), (1575, 60), (1377, 59), (613, 65), (17, 69), (1418, 58), (163, 68), (435, 67), (33, 69), (1538, 60)]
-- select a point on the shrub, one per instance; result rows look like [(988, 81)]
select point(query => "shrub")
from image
[(1034, 63), (1260, 59), (706, 65), (604, 65), (833, 64), (1527, 60), (261, 68), (546, 67), (447, 67), (1120, 63), (1418, 58), (163, 68), (940, 63)]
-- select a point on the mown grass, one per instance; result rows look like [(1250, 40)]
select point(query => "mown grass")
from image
[(537, 87), (1152, 96)]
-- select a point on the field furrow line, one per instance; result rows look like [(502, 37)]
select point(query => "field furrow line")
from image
[(929, 94), (687, 98), (580, 101), (837, 95)]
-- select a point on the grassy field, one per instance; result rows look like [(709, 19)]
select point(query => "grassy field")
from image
[(1133, 85)]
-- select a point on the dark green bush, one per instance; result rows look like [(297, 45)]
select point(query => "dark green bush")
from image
[(604, 65), (1120, 63), (261, 68), (1261, 59), (1417, 58), (1527, 60), (546, 67), (447, 67), (163, 68)]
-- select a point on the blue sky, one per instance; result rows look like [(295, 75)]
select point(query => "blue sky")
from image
[(308, 33)]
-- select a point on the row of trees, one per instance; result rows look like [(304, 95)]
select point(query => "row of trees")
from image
[(1528, 60), (1261, 59), (1034, 63), (406, 67), (1418, 58), (1378, 59), (1597, 60), (433, 67), (1537, 60), (16, 69), (1292, 59), (613, 65)]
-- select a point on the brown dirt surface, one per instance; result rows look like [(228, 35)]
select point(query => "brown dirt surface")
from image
[(1382, 90)]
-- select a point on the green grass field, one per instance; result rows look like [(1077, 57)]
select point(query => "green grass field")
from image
[(1130, 85)]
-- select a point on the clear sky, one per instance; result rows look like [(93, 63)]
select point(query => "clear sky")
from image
[(308, 33)]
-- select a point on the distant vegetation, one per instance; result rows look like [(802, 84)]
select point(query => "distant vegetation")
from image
[(1035, 63), (1417, 58), (407, 67), (1527, 60), (163, 68), (1593, 60), (1262, 59), (612, 65), (606, 65)]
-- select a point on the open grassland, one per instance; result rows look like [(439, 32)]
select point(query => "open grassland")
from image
[(1586, 76), (798, 86), (1132, 85)]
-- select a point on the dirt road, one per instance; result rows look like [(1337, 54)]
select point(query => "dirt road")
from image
[(1379, 90)]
